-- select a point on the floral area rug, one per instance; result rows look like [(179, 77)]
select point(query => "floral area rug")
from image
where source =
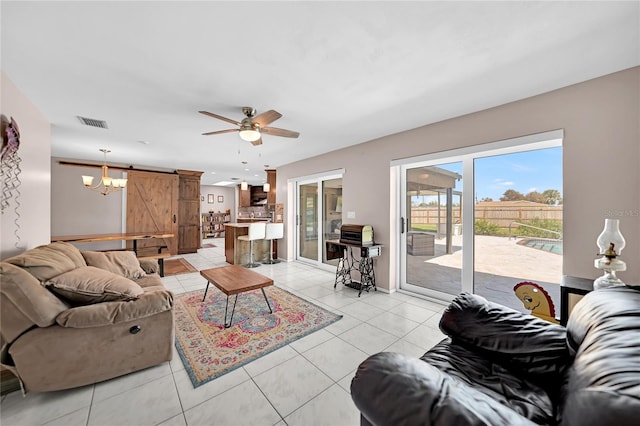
[(208, 350)]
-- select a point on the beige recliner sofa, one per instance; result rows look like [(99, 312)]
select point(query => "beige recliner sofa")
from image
[(70, 318)]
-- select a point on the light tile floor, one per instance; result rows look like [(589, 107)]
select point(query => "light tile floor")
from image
[(304, 383)]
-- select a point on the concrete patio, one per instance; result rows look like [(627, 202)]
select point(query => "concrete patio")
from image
[(500, 263)]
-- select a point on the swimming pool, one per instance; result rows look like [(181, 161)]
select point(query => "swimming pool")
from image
[(552, 246)]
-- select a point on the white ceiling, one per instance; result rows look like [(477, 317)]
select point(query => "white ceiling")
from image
[(340, 73)]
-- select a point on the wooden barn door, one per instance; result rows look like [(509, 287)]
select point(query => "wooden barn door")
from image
[(152, 206), (189, 212)]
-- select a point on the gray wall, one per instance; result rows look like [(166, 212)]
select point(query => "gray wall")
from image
[(601, 158), (229, 203), (76, 211)]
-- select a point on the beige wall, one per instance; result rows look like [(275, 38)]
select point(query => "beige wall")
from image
[(34, 220), (601, 161)]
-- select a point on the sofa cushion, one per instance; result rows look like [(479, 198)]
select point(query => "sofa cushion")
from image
[(45, 262), (395, 389), (486, 375), (69, 250), (24, 302), (535, 348), (89, 284), (123, 263), (154, 300)]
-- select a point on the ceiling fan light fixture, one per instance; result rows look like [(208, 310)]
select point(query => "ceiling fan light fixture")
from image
[(250, 135), (252, 126)]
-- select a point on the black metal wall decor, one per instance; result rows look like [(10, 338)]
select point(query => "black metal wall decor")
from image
[(10, 169)]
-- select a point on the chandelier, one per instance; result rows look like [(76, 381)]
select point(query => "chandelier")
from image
[(107, 184)]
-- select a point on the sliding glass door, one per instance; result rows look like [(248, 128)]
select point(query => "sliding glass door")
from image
[(485, 220), (308, 221), (433, 212), (318, 217)]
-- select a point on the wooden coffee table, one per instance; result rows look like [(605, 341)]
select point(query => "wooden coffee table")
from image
[(235, 279)]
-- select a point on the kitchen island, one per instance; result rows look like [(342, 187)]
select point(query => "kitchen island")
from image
[(237, 252)]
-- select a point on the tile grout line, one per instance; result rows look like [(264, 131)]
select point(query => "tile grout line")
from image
[(316, 395), (268, 400), (93, 395), (175, 385)]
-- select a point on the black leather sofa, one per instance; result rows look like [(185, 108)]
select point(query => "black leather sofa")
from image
[(501, 367)]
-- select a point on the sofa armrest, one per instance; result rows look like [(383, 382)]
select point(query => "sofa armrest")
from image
[(150, 266), (533, 345), (394, 389), (153, 301)]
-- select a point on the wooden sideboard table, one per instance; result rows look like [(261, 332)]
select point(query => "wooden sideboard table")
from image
[(93, 238)]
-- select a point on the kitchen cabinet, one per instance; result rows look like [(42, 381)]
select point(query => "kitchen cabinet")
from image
[(244, 197), (271, 180)]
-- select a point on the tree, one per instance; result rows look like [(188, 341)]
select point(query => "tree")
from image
[(536, 197), (511, 195), (552, 196), (486, 199)]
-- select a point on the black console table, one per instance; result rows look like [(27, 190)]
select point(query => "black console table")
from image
[(348, 263), (572, 290)]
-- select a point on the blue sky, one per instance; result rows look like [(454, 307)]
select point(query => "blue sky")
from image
[(523, 171)]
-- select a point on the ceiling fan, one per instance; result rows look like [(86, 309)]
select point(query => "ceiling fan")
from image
[(253, 126)]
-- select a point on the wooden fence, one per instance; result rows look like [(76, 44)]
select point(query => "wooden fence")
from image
[(502, 216)]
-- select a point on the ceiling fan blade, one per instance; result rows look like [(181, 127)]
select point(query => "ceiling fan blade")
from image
[(219, 132), (266, 117), (279, 132), (257, 142), (219, 117)]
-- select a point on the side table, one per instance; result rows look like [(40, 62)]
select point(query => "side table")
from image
[(572, 290), (348, 263)]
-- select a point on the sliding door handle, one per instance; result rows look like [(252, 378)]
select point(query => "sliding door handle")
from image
[(402, 225)]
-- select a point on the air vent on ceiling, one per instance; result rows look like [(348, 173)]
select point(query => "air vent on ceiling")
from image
[(93, 122)]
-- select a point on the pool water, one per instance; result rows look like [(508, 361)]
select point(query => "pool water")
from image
[(551, 246)]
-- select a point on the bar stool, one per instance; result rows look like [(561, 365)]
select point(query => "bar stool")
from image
[(274, 231), (256, 232)]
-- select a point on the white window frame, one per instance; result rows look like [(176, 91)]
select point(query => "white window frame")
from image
[(467, 155)]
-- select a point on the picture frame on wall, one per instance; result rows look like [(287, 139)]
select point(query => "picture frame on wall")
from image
[(210, 198), (220, 198)]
